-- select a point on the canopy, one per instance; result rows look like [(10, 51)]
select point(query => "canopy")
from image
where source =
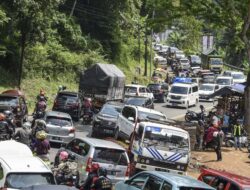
[(102, 76), (236, 89)]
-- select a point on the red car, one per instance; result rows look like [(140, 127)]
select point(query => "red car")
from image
[(225, 179)]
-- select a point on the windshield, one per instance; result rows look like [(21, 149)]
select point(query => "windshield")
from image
[(238, 76), (59, 121), (136, 101), (110, 156), (196, 59), (111, 110), (184, 61), (130, 89), (223, 81), (10, 101), (207, 88), (167, 138), (22, 180), (151, 116), (216, 61), (179, 90)]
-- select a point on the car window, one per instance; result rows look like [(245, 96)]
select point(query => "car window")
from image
[(58, 121), (128, 112), (218, 182), (166, 186), (79, 147), (233, 187), (110, 156), (138, 181), (1, 172), (207, 179), (195, 88), (153, 183), (10, 101), (142, 90), (189, 92)]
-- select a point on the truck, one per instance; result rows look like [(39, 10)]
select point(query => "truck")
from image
[(212, 60), (102, 83), (160, 147)]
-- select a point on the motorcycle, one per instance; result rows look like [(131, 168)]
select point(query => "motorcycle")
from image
[(67, 179), (229, 140), (87, 117), (193, 116)]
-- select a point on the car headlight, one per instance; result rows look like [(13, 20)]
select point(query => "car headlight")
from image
[(183, 97)]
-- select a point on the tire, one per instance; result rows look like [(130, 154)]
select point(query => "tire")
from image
[(116, 135)]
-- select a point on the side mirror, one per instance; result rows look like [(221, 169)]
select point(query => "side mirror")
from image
[(131, 119)]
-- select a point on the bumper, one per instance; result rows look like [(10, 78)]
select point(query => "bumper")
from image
[(72, 113), (101, 129), (177, 103), (205, 98), (60, 139), (156, 168)]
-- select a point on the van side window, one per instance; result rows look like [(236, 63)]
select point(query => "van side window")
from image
[(1, 172), (189, 92), (140, 131), (166, 186), (195, 89)]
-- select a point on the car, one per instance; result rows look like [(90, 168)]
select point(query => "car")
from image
[(14, 100), (60, 127), (140, 101), (238, 77), (230, 181), (69, 102), (206, 90), (157, 47), (161, 181), (209, 79), (184, 62), (107, 154), (183, 95), (159, 91), (138, 90), (49, 187), (13, 148), (195, 61), (223, 81), (179, 54), (104, 123)]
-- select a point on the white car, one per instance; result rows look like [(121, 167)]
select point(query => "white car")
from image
[(223, 81), (138, 90), (238, 77), (185, 64), (183, 95), (206, 90)]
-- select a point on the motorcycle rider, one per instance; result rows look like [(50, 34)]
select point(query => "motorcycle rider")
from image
[(9, 119), (66, 169), (22, 135), (5, 131), (91, 177), (41, 145), (39, 125), (41, 94), (102, 182)]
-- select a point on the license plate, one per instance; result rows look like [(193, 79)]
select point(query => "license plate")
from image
[(174, 104), (56, 138), (107, 131)]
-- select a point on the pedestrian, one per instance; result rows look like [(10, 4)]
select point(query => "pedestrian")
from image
[(23, 135), (217, 142), (237, 135)]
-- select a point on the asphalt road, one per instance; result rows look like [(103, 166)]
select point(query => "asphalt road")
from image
[(171, 113)]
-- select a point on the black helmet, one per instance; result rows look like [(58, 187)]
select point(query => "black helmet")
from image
[(72, 156), (201, 107), (102, 172)]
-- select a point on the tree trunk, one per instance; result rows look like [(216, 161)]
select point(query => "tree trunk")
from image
[(23, 41)]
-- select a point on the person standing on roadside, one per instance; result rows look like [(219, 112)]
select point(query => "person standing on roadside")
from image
[(218, 139), (237, 135)]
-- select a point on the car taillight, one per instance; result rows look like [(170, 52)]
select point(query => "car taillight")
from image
[(127, 174), (72, 130), (89, 165)]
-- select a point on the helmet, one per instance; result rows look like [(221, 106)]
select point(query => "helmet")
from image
[(40, 123), (26, 125), (64, 155), (41, 135), (95, 167), (7, 113), (102, 172), (2, 117)]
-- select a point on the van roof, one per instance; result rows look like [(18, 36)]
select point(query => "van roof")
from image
[(30, 164), (224, 77), (165, 126), (185, 84), (134, 85), (13, 148), (102, 143)]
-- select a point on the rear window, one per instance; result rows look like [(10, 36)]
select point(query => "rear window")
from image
[(154, 87), (22, 180), (110, 156), (12, 101), (67, 97), (130, 89), (59, 121)]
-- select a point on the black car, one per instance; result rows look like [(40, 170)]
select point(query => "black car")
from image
[(104, 122), (70, 103), (159, 91), (14, 101), (140, 101)]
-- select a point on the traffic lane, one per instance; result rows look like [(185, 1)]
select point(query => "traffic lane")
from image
[(81, 131), (178, 112)]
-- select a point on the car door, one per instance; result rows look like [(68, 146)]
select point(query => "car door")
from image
[(136, 183), (128, 121)]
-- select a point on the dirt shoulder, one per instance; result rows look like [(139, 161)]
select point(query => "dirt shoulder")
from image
[(234, 161)]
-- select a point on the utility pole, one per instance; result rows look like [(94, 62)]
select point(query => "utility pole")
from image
[(73, 8), (146, 53), (139, 43), (151, 42)]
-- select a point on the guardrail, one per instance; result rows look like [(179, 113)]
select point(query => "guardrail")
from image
[(236, 68)]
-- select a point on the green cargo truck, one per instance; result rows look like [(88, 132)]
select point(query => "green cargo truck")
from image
[(212, 61)]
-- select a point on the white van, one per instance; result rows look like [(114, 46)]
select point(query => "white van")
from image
[(22, 170), (223, 81), (183, 95)]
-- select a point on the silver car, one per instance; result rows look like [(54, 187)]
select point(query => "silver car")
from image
[(60, 127), (107, 154)]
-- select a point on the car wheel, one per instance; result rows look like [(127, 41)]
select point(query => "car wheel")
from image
[(116, 135)]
